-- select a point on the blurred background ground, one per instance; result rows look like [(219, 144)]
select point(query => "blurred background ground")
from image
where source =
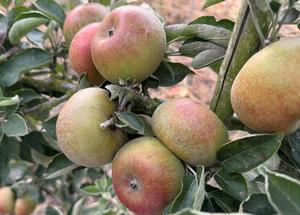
[(201, 85)]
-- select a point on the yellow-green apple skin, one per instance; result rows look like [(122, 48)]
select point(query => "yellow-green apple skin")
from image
[(81, 16), (24, 206), (129, 44), (78, 128), (7, 200), (80, 54), (146, 176), (190, 130), (265, 95)]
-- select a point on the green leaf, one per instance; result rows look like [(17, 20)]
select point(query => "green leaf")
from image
[(211, 20), (291, 3), (295, 3), (9, 149), (1, 133), (27, 95), (117, 4), (104, 2), (59, 166), (289, 15), (263, 5), (102, 184), (77, 207), (114, 90), (3, 28), (31, 14), (169, 73), (218, 35), (257, 204), (36, 141), (5, 3), (25, 153), (26, 60), (23, 27), (224, 201), (52, 210), (6, 101), (91, 190), (283, 192), (49, 126), (134, 122), (36, 37), (83, 82), (15, 125), (14, 13), (275, 6), (4, 166), (187, 194), (49, 132), (208, 57), (52, 10), (247, 153), (232, 183), (192, 49), (294, 141), (209, 3), (200, 193)]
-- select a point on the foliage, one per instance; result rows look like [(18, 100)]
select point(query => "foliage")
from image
[(35, 80)]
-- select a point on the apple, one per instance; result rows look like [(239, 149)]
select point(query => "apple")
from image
[(24, 206), (81, 16), (265, 95), (78, 128), (7, 200), (146, 176), (80, 54), (190, 130), (129, 44)]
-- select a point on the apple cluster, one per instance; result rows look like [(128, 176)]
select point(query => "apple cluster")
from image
[(10, 205), (128, 44)]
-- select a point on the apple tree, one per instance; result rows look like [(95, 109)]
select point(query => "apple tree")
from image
[(74, 98)]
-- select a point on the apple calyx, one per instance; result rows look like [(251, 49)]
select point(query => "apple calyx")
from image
[(134, 185), (111, 33)]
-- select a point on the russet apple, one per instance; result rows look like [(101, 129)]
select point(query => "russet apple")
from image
[(7, 200), (190, 130), (129, 44), (78, 128), (146, 176), (24, 206), (80, 54), (81, 16), (265, 95)]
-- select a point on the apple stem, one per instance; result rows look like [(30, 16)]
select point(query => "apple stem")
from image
[(123, 103), (192, 171), (107, 123)]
